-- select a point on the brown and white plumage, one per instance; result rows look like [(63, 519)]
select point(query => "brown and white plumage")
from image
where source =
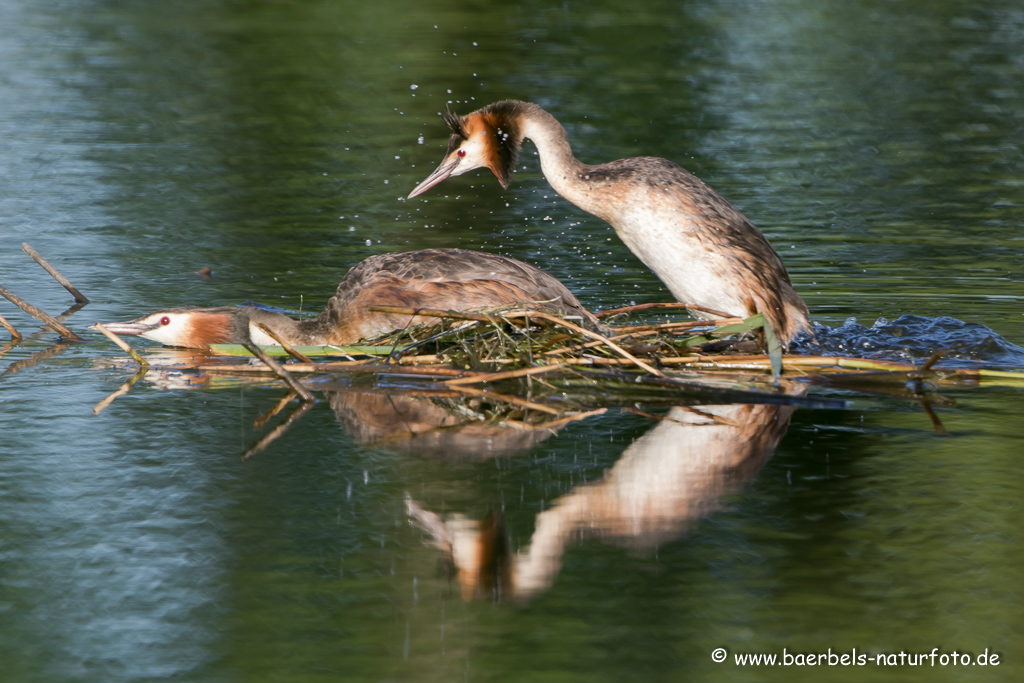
[(705, 251), (445, 279)]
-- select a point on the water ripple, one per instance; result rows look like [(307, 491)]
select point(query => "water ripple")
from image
[(914, 338)]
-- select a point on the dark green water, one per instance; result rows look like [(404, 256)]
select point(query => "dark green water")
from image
[(877, 144)]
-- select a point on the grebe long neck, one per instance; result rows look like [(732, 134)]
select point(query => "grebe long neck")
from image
[(314, 332), (561, 168)]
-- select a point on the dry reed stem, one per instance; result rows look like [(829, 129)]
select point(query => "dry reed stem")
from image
[(510, 374), (289, 349), (121, 344), (15, 335), (79, 297), (507, 399), (42, 316), (278, 370)]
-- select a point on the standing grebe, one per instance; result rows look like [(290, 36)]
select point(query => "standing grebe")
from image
[(444, 279), (696, 242)]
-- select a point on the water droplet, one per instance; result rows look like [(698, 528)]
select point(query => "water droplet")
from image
[(369, 242), (413, 86)]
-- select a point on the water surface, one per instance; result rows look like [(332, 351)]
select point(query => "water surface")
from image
[(876, 144)]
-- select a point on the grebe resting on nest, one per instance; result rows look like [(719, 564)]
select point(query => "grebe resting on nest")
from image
[(705, 251), (444, 279)]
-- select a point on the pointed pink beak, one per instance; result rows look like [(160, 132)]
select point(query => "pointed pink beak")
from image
[(130, 327), (442, 172)]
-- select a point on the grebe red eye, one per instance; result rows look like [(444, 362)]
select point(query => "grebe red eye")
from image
[(462, 152), (165, 320)]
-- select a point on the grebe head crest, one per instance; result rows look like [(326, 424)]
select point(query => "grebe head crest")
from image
[(487, 138)]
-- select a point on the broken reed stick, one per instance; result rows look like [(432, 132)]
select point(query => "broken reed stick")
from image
[(120, 392), (279, 430), (79, 297), (507, 399), (644, 307), (289, 349), (510, 374), (45, 318), (15, 335), (121, 345), (278, 370)]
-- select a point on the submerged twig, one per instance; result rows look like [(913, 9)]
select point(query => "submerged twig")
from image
[(45, 318), (36, 358), (940, 429), (279, 430), (79, 297), (507, 399), (15, 335), (70, 311), (279, 370), (265, 417), (121, 344), (120, 392)]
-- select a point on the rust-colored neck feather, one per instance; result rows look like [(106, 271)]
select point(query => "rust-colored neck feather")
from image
[(210, 328), (502, 132)]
